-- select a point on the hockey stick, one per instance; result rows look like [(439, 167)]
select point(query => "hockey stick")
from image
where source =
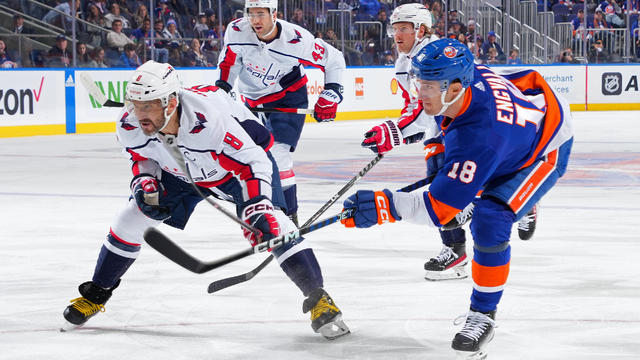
[(94, 91), (157, 240), (418, 184), (100, 98), (234, 280)]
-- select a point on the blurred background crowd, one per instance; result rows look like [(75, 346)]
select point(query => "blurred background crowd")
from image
[(189, 33)]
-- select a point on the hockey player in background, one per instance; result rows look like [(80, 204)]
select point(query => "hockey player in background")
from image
[(411, 31), (266, 56), (227, 152), (510, 135)]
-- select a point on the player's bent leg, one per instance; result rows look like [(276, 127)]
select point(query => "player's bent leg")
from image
[(282, 155), (115, 257), (298, 261), (491, 229), (450, 263)]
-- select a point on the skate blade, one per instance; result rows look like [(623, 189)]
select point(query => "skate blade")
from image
[(467, 355), (454, 273), (67, 326), (334, 329)]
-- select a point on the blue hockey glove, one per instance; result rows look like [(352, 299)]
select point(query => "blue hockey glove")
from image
[(370, 208), (146, 191), (259, 213), (434, 155)]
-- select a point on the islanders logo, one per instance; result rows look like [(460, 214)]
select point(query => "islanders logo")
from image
[(450, 52)]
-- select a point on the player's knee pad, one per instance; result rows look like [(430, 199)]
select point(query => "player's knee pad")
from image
[(130, 223), (282, 155), (491, 223)]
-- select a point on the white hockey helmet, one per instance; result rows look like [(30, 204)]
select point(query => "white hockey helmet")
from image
[(414, 13), (153, 80), (269, 4)]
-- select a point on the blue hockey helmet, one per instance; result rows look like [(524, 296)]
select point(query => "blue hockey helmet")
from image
[(445, 60)]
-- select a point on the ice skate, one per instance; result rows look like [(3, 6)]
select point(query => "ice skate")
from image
[(448, 265), (326, 317), (88, 305), (471, 343), (527, 224)]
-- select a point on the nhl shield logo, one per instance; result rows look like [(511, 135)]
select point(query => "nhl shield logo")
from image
[(611, 83)]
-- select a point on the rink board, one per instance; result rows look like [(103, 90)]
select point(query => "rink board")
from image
[(49, 102)]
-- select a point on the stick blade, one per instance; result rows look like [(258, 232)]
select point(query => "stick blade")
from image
[(92, 87), (161, 243), (234, 280)]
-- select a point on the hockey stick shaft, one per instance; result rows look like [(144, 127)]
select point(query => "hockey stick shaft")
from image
[(418, 184), (157, 240), (283, 110), (234, 280)]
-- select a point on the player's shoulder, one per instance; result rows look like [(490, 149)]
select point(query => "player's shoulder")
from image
[(239, 29), (128, 128), (294, 34)]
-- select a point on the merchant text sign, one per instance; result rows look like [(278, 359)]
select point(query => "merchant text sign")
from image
[(32, 98)]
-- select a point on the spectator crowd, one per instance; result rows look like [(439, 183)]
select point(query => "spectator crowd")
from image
[(120, 33)]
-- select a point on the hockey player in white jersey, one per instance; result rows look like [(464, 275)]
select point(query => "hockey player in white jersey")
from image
[(410, 27), (266, 56), (226, 150)]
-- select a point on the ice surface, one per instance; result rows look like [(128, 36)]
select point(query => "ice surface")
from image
[(573, 291)]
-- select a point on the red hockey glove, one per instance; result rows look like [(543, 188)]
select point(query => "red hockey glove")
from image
[(383, 137), (434, 155), (259, 213), (327, 104), (146, 191)]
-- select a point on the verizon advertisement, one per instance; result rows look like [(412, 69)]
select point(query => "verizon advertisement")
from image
[(32, 98)]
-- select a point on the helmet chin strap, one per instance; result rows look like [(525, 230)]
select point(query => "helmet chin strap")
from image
[(273, 28), (445, 105), (167, 117)]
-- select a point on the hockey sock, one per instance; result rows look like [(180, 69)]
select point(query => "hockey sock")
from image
[(113, 261), (303, 269), (449, 237), (291, 197)]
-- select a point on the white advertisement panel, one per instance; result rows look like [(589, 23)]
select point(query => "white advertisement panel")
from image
[(614, 84), (113, 84), (566, 80), (32, 97)]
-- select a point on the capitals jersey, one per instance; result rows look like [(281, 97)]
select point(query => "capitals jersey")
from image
[(219, 138), (412, 119), (506, 123), (268, 70)]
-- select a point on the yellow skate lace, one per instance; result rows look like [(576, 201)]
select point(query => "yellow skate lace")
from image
[(86, 307), (323, 306)]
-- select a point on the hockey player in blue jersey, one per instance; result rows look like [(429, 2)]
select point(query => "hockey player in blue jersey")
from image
[(228, 153), (509, 136)]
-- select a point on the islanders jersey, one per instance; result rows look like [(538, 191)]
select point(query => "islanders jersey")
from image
[(219, 138), (505, 124), (412, 119), (268, 70)]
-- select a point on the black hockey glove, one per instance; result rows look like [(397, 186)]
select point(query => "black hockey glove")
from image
[(146, 191)]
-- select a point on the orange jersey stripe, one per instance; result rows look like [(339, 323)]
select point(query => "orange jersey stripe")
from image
[(489, 276), (553, 117), (444, 212), (534, 180)]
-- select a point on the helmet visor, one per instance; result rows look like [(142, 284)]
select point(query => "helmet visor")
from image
[(425, 89), (401, 28)]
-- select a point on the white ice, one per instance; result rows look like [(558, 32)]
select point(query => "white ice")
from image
[(573, 291)]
